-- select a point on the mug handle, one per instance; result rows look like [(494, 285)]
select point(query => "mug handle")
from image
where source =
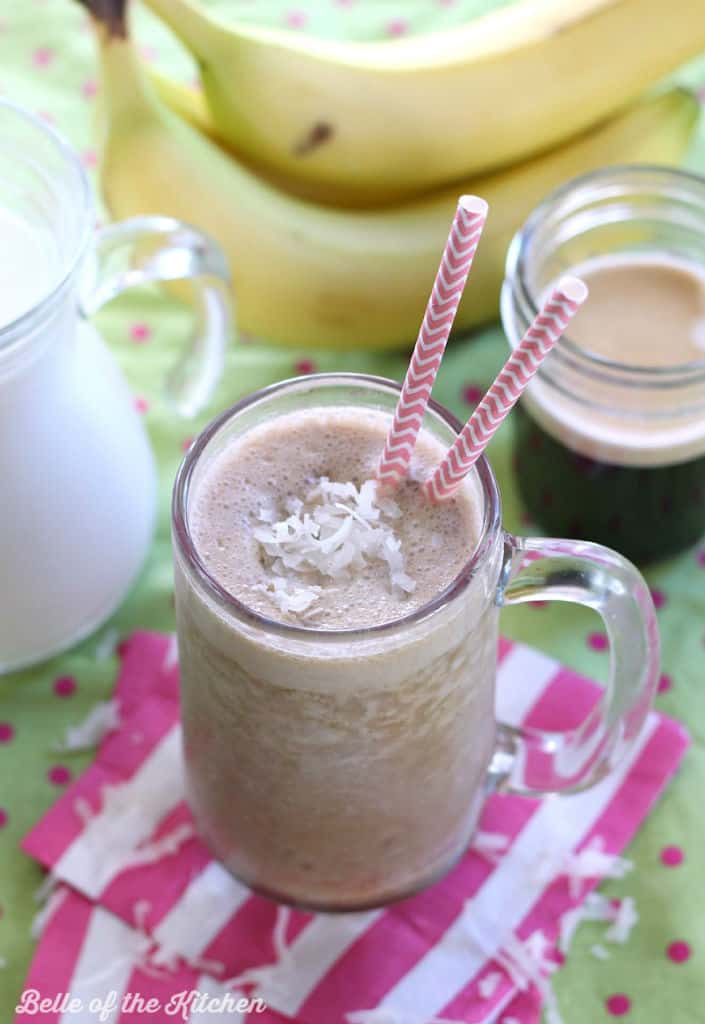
[(143, 250), (534, 762)]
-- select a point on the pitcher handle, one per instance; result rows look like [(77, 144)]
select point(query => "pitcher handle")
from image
[(144, 250), (535, 762)]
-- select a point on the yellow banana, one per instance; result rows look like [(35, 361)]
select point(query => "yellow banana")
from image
[(309, 275), (391, 119), (190, 105)]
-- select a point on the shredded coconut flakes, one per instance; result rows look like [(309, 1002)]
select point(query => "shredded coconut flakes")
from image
[(103, 719), (166, 846), (55, 898), (593, 862), (105, 648), (488, 985), (337, 529), (268, 979), (596, 907), (490, 845), (624, 920)]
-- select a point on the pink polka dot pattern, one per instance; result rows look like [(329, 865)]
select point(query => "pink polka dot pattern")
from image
[(597, 641), (186, 444), (296, 19), (618, 1004), (305, 366), (678, 952), (7, 733), (397, 27), (149, 54), (672, 856), (344, 3), (471, 393), (658, 597), (59, 775), (89, 158), (64, 686), (42, 57), (665, 683), (3, 817), (89, 89), (140, 331), (141, 405)]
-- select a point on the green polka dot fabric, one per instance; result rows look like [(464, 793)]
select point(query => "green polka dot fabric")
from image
[(47, 63)]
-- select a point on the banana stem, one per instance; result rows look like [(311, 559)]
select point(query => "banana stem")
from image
[(111, 14), (127, 91), (196, 29)]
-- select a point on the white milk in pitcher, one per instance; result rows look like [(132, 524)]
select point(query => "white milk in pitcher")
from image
[(77, 481), (29, 266)]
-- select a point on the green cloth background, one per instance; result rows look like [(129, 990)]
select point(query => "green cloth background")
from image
[(47, 63)]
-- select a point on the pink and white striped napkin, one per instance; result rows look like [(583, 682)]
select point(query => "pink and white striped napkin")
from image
[(90, 955), (122, 838)]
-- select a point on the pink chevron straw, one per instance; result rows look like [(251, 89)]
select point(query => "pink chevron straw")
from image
[(544, 332), (430, 345)]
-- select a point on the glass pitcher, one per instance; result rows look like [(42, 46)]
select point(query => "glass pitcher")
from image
[(77, 476)]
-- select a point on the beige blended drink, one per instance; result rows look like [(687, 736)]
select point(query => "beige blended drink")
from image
[(338, 647), (318, 778)]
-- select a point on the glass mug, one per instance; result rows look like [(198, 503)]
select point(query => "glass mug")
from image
[(339, 770), (606, 450), (77, 476)]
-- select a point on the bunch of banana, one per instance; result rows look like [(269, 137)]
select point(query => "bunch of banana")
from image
[(387, 120), (310, 274)]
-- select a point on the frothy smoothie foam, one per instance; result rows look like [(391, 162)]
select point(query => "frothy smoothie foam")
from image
[(300, 747), (285, 471)]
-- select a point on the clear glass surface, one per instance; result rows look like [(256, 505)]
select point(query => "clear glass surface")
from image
[(343, 769)]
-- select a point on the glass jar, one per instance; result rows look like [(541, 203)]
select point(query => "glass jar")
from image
[(604, 450)]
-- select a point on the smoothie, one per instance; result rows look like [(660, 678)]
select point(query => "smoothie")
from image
[(643, 311), (336, 770), (282, 472)]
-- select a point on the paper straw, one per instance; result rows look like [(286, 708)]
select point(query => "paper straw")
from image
[(514, 376), (430, 345)]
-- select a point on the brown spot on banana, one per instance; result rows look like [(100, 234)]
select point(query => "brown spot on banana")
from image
[(319, 133)]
